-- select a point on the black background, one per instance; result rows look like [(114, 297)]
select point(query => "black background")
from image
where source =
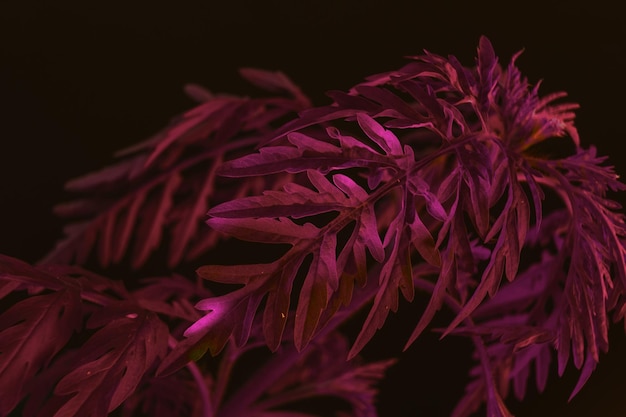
[(80, 79)]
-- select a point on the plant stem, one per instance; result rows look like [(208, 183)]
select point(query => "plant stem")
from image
[(203, 390), (224, 372)]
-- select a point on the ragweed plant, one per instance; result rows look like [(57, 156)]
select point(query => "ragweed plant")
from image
[(460, 182)]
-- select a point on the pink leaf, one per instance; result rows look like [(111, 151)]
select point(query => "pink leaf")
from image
[(488, 284), (386, 300), (32, 332), (424, 242), (320, 282), (185, 229), (382, 137), (126, 225), (265, 230), (151, 226), (277, 304), (110, 365), (587, 370), (446, 277), (190, 120)]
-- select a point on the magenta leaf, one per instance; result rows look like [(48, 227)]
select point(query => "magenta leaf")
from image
[(487, 68), (321, 281), (322, 276), (306, 153), (387, 141), (130, 204), (417, 178), (32, 332), (172, 296), (37, 332), (228, 315), (440, 161), (428, 169), (149, 225), (110, 365), (17, 274)]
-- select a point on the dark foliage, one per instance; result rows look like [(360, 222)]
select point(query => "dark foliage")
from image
[(437, 178)]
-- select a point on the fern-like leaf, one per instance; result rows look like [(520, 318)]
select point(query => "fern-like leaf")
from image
[(167, 182), (32, 332), (433, 162), (110, 365)]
